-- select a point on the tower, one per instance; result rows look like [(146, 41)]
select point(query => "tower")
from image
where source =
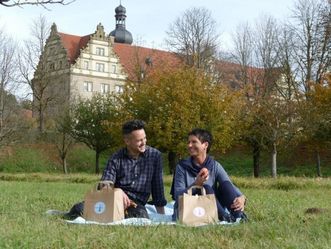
[(120, 33)]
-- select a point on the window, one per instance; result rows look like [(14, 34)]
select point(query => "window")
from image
[(119, 89), (100, 51), (104, 88), (86, 65), (100, 67), (113, 68), (88, 86)]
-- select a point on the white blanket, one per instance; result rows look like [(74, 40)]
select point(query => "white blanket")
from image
[(155, 218)]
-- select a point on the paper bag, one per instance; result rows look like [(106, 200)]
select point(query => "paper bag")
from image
[(197, 210), (104, 206)]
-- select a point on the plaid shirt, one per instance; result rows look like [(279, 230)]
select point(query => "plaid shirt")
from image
[(138, 178)]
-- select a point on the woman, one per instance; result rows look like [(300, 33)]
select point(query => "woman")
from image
[(200, 169)]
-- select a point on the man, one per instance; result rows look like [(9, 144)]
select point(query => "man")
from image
[(137, 170)]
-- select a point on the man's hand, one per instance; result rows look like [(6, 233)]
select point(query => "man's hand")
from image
[(126, 200), (239, 203), (202, 177)]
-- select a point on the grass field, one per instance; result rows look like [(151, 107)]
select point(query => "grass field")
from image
[(276, 209)]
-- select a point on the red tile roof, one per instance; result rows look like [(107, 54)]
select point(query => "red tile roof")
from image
[(73, 44), (130, 56), (136, 58)]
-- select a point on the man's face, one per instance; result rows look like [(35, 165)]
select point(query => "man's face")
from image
[(136, 141), (195, 147)]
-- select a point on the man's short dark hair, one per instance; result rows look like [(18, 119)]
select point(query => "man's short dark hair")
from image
[(203, 136), (132, 125)]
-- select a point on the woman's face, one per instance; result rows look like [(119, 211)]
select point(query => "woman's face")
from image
[(196, 147)]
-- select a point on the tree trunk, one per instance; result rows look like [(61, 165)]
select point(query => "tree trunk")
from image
[(256, 159), (64, 165), (318, 163), (274, 161), (172, 161), (41, 121), (97, 155)]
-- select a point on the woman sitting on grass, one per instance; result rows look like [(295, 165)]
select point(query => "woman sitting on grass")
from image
[(202, 170)]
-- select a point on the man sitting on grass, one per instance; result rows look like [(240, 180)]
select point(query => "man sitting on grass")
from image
[(137, 170)]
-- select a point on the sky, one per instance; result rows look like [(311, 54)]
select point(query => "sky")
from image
[(147, 20)]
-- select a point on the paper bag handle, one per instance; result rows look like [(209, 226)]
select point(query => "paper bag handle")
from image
[(203, 191), (102, 184)]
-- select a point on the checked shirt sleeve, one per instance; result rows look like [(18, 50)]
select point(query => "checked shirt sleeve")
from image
[(157, 183), (109, 174)]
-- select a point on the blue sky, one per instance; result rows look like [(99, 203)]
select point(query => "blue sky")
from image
[(147, 20)]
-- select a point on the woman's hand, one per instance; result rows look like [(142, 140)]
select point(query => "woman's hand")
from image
[(239, 203), (202, 177)]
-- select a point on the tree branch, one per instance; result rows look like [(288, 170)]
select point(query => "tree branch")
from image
[(36, 2)]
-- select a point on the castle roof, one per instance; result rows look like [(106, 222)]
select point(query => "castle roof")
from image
[(131, 57)]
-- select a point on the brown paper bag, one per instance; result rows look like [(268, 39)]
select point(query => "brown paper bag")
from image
[(197, 210), (104, 206)]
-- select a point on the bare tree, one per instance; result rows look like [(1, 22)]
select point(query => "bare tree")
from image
[(43, 3), (193, 37), (35, 69), (243, 50), (61, 136), (312, 40), (8, 80)]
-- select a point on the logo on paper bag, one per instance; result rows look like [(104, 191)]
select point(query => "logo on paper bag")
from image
[(199, 211), (99, 207)]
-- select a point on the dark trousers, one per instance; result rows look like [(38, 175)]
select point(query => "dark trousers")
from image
[(225, 196), (136, 212), (131, 212)]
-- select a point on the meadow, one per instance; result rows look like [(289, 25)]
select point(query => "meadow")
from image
[(277, 210)]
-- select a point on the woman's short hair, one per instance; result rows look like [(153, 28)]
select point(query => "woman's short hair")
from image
[(203, 136)]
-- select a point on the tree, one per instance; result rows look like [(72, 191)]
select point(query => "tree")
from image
[(194, 38), (243, 53), (61, 136), (173, 103), (257, 53), (32, 64), (311, 41), (9, 110), (316, 118), (43, 3), (93, 122)]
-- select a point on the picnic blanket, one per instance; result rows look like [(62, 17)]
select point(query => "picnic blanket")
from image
[(155, 218)]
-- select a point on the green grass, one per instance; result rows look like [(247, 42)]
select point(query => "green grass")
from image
[(276, 209)]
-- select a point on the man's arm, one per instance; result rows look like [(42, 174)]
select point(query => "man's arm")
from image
[(157, 185), (109, 174)]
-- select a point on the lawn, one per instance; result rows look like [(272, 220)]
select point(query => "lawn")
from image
[(276, 209)]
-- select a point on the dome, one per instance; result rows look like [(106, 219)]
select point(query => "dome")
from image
[(122, 36), (120, 9)]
